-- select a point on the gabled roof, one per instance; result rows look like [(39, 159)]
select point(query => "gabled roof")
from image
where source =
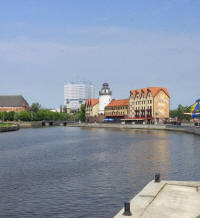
[(12, 101), (154, 91), (120, 102), (139, 92), (92, 101)]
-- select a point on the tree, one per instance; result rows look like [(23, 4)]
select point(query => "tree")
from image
[(179, 113), (82, 112), (35, 107), (23, 116), (61, 108), (11, 115)]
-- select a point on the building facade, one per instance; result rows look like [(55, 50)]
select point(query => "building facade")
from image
[(76, 94), (150, 105), (13, 103), (117, 109), (105, 97), (92, 110)]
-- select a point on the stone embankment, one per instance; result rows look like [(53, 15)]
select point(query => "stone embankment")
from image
[(186, 129), (9, 128), (41, 124)]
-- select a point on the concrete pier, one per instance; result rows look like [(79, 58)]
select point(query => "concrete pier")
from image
[(166, 199)]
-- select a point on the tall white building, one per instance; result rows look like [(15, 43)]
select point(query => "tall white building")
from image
[(105, 97), (76, 94)]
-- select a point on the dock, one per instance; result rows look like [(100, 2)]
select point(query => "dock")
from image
[(164, 199)]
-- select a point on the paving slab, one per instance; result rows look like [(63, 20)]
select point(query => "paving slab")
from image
[(166, 199)]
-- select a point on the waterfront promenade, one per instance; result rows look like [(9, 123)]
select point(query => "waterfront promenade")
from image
[(166, 199), (186, 128)]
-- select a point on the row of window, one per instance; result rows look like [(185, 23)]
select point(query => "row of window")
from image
[(115, 113), (142, 108), (116, 108), (143, 95), (142, 102)]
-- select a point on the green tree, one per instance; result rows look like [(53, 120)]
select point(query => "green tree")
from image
[(82, 112), (35, 107), (179, 113), (23, 116), (10, 116)]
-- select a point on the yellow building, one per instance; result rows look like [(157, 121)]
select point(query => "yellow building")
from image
[(91, 110), (117, 109), (149, 104)]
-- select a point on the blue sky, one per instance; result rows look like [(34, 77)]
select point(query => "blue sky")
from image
[(128, 43)]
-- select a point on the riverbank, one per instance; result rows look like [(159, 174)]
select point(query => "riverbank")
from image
[(6, 127), (31, 124), (186, 129)]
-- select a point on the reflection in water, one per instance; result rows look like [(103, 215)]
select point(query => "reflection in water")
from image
[(74, 172)]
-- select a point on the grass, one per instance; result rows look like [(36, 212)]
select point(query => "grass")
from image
[(5, 124)]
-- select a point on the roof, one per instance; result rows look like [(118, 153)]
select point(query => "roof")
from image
[(12, 101), (154, 91), (92, 102), (120, 102)]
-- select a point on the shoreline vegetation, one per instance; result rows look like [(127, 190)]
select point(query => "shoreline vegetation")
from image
[(35, 113), (6, 127)]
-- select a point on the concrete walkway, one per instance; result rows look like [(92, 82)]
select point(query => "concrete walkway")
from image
[(186, 129), (166, 199)]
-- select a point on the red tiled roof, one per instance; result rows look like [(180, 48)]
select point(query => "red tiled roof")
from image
[(120, 102), (92, 102), (154, 91), (139, 91), (145, 91)]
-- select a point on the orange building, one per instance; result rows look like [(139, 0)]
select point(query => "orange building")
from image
[(149, 105), (13, 103), (117, 109)]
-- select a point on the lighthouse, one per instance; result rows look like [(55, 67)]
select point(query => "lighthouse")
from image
[(105, 97)]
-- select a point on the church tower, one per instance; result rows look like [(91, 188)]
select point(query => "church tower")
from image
[(105, 97)]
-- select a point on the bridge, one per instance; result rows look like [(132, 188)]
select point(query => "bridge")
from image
[(53, 123)]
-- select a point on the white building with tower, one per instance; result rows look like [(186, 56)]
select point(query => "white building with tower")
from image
[(105, 97), (76, 94)]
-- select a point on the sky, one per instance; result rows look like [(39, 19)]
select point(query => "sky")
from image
[(130, 44)]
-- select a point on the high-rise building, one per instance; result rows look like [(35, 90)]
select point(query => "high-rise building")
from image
[(76, 94)]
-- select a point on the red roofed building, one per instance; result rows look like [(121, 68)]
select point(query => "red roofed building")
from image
[(117, 109), (92, 109), (13, 103), (149, 104)]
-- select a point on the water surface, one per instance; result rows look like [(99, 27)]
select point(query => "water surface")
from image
[(74, 172)]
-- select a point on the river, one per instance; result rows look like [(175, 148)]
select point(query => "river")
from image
[(66, 172)]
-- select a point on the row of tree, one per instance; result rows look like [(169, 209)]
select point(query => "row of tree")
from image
[(36, 113)]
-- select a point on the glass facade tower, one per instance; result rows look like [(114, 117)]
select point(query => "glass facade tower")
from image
[(76, 94)]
